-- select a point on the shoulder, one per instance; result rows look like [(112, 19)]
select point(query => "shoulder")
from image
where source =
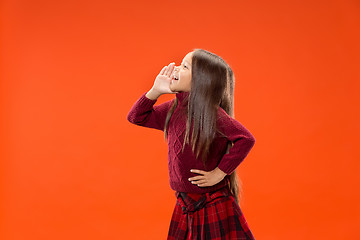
[(230, 125), (165, 105), (224, 122), (222, 115)]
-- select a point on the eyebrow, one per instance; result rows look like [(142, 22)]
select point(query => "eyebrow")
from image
[(186, 62)]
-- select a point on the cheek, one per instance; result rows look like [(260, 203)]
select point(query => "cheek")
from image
[(186, 76), (189, 77)]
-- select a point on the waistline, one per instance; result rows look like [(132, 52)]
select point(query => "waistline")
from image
[(189, 204)]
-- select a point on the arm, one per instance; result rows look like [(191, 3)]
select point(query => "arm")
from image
[(144, 113), (242, 140)]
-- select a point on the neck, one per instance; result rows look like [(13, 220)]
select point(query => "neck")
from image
[(182, 96)]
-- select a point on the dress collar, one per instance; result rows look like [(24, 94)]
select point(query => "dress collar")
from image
[(182, 96)]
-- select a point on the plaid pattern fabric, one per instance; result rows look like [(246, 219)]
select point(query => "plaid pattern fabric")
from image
[(214, 215)]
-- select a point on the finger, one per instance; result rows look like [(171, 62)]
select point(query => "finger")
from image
[(169, 70), (199, 181), (173, 71), (203, 185), (198, 171), (163, 70), (197, 177)]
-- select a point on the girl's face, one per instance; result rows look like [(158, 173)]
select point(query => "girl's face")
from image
[(183, 75)]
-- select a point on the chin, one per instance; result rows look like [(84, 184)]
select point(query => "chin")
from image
[(173, 88)]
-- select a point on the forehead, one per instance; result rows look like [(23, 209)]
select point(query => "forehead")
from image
[(187, 58)]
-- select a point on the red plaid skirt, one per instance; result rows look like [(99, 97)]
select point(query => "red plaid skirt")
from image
[(215, 215)]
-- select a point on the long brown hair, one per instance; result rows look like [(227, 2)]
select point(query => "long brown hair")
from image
[(212, 86)]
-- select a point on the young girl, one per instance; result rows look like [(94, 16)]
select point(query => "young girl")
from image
[(206, 145)]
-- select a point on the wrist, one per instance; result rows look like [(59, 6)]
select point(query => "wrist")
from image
[(220, 172), (152, 94)]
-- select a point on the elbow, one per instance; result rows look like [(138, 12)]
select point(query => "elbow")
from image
[(134, 118), (251, 140), (131, 117)]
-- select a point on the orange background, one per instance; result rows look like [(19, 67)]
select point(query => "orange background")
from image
[(73, 167)]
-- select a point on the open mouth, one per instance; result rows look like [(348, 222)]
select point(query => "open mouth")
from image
[(174, 77)]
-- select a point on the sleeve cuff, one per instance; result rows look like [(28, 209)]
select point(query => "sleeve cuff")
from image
[(228, 171), (146, 102)]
